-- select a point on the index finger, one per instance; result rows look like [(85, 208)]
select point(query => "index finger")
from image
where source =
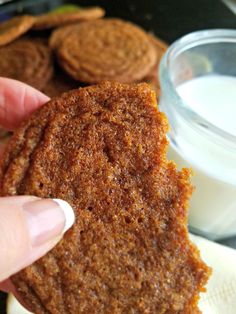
[(17, 102)]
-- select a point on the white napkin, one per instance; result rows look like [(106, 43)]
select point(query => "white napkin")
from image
[(221, 289)]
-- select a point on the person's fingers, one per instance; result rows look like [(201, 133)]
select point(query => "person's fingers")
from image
[(17, 101), (29, 228)]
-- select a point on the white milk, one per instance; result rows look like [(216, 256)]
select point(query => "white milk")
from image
[(213, 205), (214, 98)]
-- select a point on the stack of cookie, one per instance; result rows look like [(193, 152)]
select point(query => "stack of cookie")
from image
[(89, 50)]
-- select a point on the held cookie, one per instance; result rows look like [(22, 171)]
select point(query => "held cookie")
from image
[(14, 28), (27, 60), (52, 20), (103, 149), (106, 49)]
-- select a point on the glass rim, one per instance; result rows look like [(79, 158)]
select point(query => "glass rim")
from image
[(186, 42)]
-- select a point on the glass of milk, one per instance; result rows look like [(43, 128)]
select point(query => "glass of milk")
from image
[(198, 83)]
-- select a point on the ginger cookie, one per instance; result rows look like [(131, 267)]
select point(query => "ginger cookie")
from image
[(14, 28), (27, 60), (58, 84), (60, 34), (103, 149), (106, 49), (159, 45), (3, 133), (56, 19), (152, 77), (153, 81)]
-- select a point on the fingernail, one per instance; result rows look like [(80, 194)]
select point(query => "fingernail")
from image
[(47, 219)]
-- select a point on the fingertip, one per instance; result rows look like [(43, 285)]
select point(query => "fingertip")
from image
[(68, 213), (30, 227), (17, 101)]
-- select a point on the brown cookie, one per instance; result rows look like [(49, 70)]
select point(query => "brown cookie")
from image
[(59, 84), (15, 27), (52, 20), (159, 45), (3, 133), (152, 77), (153, 81), (28, 61), (103, 149), (59, 35), (106, 49)]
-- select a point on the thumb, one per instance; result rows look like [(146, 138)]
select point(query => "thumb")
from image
[(29, 228)]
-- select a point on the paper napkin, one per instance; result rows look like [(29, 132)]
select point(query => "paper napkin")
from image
[(221, 289)]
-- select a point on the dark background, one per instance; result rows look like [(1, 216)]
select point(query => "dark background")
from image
[(168, 19)]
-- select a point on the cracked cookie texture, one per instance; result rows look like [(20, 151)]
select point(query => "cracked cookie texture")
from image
[(103, 148)]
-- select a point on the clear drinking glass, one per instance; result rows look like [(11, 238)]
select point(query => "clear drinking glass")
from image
[(194, 141)]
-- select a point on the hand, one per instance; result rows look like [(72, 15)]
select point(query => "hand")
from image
[(29, 226)]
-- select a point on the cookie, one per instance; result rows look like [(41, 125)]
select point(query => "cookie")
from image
[(152, 77), (3, 133), (103, 149), (14, 28), (153, 81), (60, 34), (27, 60), (106, 49), (59, 84), (56, 19), (160, 45)]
